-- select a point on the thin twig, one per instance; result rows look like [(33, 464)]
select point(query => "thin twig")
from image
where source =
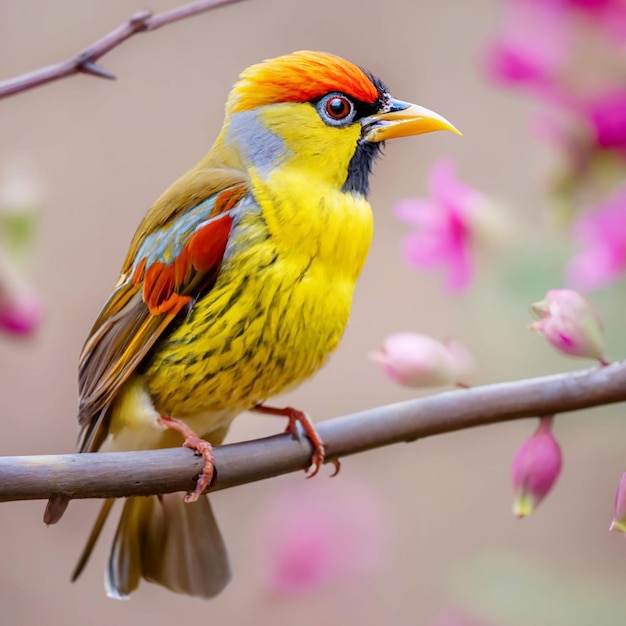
[(163, 471), (85, 61)]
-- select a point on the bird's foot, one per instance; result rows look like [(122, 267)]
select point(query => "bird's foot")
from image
[(200, 447), (296, 417)]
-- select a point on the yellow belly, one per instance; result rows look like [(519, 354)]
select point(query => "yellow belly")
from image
[(258, 332), (278, 309)]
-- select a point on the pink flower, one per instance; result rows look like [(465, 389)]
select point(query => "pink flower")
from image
[(619, 516), (536, 466), (534, 44), (20, 315), (610, 15), (602, 233), (570, 323), (20, 307), (606, 114), (313, 536), (445, 225), (416, 360), (592, 6)]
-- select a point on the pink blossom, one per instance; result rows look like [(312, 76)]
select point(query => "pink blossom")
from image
[(619, 515), (570, 323), (20, 307), (444, 225), (20, 315), (536, 467), (602, 233), (606, 114), (610, 15), (534, 44), (313, 536), (415, 360), (592, 6)]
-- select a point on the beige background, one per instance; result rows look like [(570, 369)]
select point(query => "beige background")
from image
[(104, 150)]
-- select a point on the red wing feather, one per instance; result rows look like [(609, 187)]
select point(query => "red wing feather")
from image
[(164, 284)]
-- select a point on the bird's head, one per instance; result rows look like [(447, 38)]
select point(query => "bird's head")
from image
[(319, 113)]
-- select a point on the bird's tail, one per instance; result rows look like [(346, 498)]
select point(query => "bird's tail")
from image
[(54, 509), (166, 541)]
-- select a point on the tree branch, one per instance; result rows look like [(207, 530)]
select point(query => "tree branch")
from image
[(118, 474), (85, 61)]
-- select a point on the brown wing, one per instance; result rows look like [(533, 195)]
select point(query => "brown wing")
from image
[(157, 284)]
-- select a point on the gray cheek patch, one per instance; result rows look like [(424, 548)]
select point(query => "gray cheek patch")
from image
[(260, 146)]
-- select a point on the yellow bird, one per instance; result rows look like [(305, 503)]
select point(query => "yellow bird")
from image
[(237, 286)]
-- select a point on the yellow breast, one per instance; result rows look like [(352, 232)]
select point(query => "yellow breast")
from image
[(279, 307)]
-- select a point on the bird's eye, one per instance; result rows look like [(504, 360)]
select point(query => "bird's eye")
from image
[(336, 109)]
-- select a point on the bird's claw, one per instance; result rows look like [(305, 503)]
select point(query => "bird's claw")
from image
[(200, 447), (296, 417), (317, 460), (204, 449)]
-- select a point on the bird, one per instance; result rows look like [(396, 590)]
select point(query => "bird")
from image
[(237, 286)]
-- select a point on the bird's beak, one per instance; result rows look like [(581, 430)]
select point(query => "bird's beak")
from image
[(402, 119)]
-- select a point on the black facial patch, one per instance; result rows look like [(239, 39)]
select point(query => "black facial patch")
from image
[(360, 167)]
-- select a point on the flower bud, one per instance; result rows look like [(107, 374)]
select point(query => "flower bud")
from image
[(536, 466), (20, 201), (619, 516), (20, 307), (570, 323), (415, 360)]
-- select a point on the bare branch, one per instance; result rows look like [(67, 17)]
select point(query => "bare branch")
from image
[(119, 474), (85, 61)]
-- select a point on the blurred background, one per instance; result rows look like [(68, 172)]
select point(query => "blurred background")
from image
[(431, 536)]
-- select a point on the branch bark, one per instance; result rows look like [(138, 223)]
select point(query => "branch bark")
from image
[(85, 61), (120, 474)]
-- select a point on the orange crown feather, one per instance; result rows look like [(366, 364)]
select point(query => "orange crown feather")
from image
[(299, 77)]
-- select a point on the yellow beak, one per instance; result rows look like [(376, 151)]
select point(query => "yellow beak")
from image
[(402, 119)]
